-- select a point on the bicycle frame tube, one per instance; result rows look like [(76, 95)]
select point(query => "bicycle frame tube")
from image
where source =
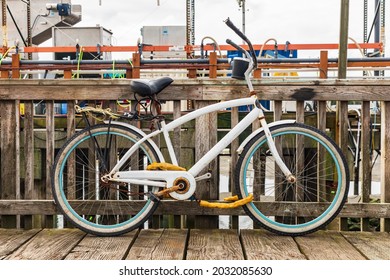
[(223, 143), (165, 128)]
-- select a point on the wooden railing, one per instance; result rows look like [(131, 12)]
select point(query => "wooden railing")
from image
[(29, 142)]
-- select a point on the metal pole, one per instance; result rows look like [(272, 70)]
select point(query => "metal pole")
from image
[(4, 21), (243, 16), (377, 28), (343, 44), (29, 31)]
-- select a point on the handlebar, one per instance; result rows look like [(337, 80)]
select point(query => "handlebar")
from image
[(234, 45), (252, 53)]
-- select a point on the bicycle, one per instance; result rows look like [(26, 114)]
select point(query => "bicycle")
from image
[(292, 179)]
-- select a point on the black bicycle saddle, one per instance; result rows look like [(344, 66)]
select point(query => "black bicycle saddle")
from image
[(147, 88)]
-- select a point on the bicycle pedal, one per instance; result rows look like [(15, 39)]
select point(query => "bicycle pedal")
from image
[(164, 166), (222, 205)]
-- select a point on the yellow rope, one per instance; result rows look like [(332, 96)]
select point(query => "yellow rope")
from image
[(235, 204), (5, 54), (164, 166), (77, 74), (231, 198)]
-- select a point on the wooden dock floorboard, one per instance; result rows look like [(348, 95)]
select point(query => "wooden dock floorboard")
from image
[(192, 244), (159, 244)]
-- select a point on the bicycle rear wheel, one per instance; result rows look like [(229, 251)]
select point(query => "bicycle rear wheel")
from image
[(310, 203), (94, 206)]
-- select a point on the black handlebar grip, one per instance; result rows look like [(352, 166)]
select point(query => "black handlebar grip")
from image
[(236, 30), (242, 35), (234, 45)]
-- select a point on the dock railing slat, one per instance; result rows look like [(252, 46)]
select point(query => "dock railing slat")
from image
[(17, 195)]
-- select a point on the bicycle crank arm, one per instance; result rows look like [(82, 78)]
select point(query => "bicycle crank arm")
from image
[(203, 177)]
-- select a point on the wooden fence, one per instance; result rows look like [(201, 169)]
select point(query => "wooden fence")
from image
[(26, 140)]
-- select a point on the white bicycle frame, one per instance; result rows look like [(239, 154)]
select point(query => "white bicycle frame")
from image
[(154, 178)]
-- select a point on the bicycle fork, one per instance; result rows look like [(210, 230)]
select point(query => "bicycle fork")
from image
[(271, 144)]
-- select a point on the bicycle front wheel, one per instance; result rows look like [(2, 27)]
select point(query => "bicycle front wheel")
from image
[(95, 206), (303, 206)]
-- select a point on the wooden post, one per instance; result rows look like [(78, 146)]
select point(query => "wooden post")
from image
[(177, 147), (50, 146), (4, 74), (366, 161), (342, 132), (205, 139), (213, 65), (323, 65), (29, 190), (233, 160), (385, 160), (15, 66), (10, 160), (67, 74), (136, 66), (299, 193), (257, 73), (321, 125), (70, 130), (10, 148), (278, 111), (192, 73), (321, 168)]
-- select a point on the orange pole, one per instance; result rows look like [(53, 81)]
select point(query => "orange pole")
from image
[(15, 66), (213, 65), (67, 74), (136, 66), (324, 64)]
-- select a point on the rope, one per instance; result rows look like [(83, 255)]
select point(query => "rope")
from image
[(5, 54), (77, 74), (92, 111)]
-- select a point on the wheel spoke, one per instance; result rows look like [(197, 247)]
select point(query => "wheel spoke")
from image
[(321, 175), (95, 206)]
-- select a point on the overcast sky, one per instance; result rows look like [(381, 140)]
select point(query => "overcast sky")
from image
[(298, 21)]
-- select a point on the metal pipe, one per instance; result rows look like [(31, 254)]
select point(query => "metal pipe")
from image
[(343, 45), (191, 61)]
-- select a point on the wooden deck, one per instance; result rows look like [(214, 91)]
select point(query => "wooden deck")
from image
[(194, 244)]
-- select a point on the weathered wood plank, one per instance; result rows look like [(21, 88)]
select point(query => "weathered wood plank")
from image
[(172, 207), (374, 246), (12, 239), (263, 245), (29, 191), (49, 244), (234, 120), (366, 161), (342, 140), (327, 245), (192, 89), (102, 248), (50, 152), (162, 244), (205, 139), (10, 156), (214, 245), (385, 160)]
